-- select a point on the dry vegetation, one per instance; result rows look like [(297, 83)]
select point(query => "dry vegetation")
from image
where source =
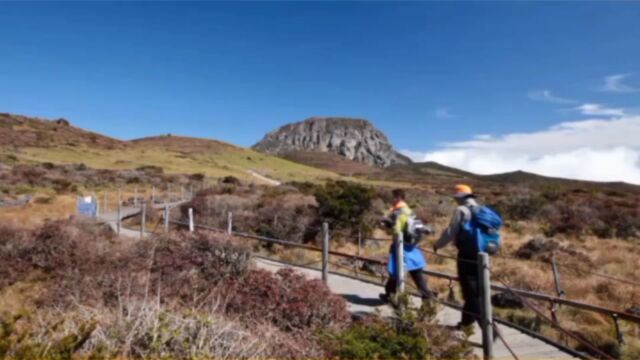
[(21, 131), (72, 179), (71, 289), (525, 262), (160, 297)]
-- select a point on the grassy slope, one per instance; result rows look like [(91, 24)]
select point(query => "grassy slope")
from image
[(38, 140), (235, 163), (35, 213)]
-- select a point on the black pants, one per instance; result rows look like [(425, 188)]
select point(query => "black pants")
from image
[(418, 279), (469, 282)]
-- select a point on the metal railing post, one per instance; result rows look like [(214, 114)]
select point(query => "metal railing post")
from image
[(400, 264), (135, 196), (93, 198), (153, 195), (325, 252), (191, 225), (356, 263), (104, 205), (166, 218), (619, 333), (486, 320), (230, 223), (359, 241), (119, 213), (556, 276), (143, 220)]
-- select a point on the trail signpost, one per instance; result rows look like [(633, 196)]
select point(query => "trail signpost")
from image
[(87, 206)]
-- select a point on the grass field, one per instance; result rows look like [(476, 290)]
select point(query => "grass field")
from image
[(235, 162), (42, 209)]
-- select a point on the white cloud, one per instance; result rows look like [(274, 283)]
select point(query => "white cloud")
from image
[(547, 96), (590, 149), (599, 110), (483, 137), (443, 113), (614, 83)]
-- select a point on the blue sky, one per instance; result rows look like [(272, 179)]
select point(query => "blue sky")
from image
[(432, 76)]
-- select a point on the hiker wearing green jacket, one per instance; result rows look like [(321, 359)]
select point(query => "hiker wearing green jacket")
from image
[(414, 262)]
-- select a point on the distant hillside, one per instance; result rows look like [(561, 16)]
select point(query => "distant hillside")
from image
[(185, 144), (331, 162), (535, 180), (33, 140), (354, 139), (22, 131), (36, 140)]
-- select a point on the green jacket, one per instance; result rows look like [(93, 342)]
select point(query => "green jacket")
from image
[(400, 214)]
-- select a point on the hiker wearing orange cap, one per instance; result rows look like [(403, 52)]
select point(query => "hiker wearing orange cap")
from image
[(467, 254)]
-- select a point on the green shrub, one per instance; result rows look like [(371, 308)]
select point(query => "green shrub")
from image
[(520, 208), (412, 334), (25, 190), (8, 159), (151, 169), (64, 186), (45, 200), (343, 203), (380, 340), (529, 321), (53, 343)]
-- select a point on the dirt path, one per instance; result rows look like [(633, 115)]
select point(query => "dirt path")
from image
[(264, 178)]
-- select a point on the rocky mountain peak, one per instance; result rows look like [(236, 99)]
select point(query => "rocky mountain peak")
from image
[(355, 139)]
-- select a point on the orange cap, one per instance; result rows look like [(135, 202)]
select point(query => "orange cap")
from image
[(462, 190)]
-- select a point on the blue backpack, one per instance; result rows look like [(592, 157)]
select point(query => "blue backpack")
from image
[(484, 229)]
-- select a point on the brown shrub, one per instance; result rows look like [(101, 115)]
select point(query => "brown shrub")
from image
[(13, 249), (87, 265), (288, 300), (65, 244), (128, 331), (83, 264), (188, 265), (70, 178), (289, 216), (27, 173), (280, 212), (542, 249)]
